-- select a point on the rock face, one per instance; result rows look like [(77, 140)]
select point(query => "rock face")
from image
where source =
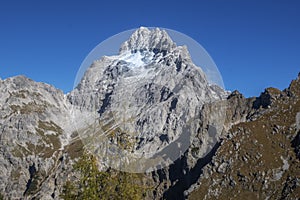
[(145, 39), (152, 94), (143, 100), (259, 158), (33, 132)]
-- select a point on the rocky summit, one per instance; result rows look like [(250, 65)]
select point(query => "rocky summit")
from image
[(149, 110), (150, 94)]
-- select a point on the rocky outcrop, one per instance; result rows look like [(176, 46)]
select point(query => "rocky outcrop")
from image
[(32, 133), (152, 95), (156, 40), (296, 144), (258, 159)]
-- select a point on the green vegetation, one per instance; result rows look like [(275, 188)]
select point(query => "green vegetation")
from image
[(75, 149), (50, 126), (48, 144), (16, 173), (1, 197), (94, 184), (29, 108), (254, 164), (19, 151), (51, 139), (24, 94)]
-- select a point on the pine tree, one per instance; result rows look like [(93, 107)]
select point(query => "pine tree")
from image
[(108, 185)]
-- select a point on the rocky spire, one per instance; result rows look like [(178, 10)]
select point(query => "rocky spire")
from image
[(144, 38)]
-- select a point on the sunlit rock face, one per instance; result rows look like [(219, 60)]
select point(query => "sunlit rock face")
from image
[(152, 94)]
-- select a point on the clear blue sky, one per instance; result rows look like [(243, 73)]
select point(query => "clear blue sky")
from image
[(255, 44)]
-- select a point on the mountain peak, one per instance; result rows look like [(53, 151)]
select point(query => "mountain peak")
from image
[(148, 39)]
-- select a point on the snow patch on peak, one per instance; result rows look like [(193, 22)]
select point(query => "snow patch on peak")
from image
[(134, 59), (137, 59)]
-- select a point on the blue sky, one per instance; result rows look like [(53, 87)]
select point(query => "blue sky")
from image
[(255, 44)]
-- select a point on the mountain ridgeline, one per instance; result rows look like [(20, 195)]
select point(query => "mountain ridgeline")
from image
[(151, 112)]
